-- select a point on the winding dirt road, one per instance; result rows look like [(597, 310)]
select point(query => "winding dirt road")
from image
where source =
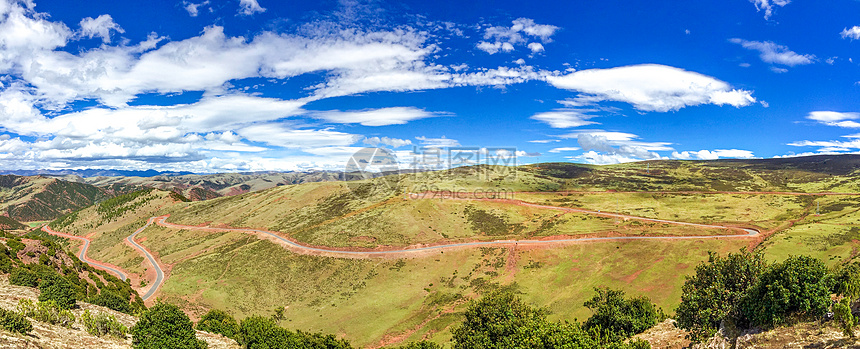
[(83, 254), (352, 253), (412, 250)]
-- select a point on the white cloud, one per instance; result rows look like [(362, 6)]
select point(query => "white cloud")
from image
[(545, 141), (830, 146), (393, 142), (279, 135), (561, 149), (770, 52), (651, 87), (441, 142), (832, 118), (535, 47), (853, 33), (778, 70), (768, 6), (499, 38), (192, 8), (376, 117), (564, 118), (100, 26), (250, 7), (596, 158), (713, 154)]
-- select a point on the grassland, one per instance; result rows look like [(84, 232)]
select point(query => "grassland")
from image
[(369, 300), (377, 301)]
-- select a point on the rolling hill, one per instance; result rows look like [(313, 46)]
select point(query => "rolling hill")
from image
[(40, 198), (376, 301)]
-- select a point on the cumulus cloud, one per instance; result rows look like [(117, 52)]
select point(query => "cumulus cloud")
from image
[(501, 38), (772, 53), (651, 87), (564, 118), (100, 26), (853, 33), (250, 7), (535, 47), (768, 6), (713, 154), (832, 118)]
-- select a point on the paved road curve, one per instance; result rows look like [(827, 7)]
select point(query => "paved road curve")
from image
[(83, 255), (159, 274)]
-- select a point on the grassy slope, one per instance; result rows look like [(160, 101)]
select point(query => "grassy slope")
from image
[(41, 198), (109, 223), (366, 300)]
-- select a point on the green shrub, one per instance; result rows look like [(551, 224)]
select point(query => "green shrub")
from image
[(503, 320), (15, 246), (847, 281), (842, 315), (258, 332), (165, 326), (23, 277), (218, 321), (421, 345), (59, 290), (47, 311), (103, 324), (616, 318), (14, 322), (713, 294), (112, 300), (796, 289)]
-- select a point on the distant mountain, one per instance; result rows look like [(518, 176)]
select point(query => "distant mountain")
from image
[(95, 173)]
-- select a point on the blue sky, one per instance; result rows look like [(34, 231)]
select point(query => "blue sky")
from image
[(248, 85)]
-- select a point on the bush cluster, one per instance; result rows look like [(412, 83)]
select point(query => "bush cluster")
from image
[(47, 311), (103, 324), (165, 326), (742, 291), (14, 322)]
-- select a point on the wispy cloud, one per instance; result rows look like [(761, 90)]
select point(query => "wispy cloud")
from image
[(772, 53)]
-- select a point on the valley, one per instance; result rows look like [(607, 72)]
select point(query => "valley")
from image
[(336, 257)]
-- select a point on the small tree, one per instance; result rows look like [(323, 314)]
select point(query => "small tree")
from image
[(165, 326), (796, 289), (218, 321), (842, 315), (23, 277), (616, 318), (59, 290), (715, 291), (260, 332), (112, 300), (503, 320)]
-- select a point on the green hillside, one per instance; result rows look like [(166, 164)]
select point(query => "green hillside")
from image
[(372, 301)]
